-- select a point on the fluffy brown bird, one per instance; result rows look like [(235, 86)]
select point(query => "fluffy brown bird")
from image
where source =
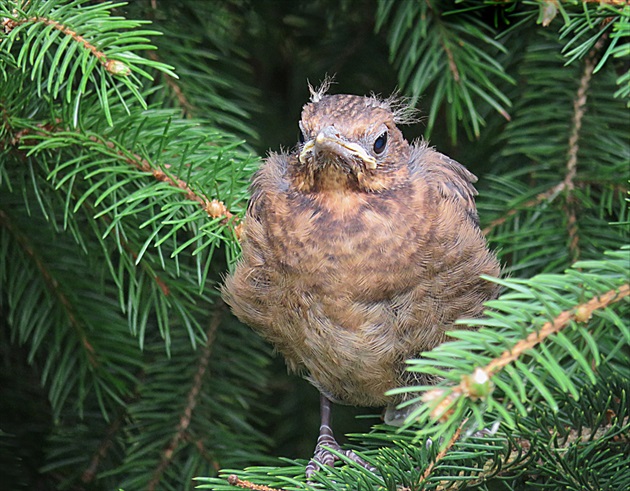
[(360, 251)]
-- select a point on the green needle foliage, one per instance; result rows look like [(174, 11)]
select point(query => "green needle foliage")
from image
[(456, 55), (125, 156)]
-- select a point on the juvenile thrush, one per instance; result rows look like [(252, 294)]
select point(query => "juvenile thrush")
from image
[(360, 250)]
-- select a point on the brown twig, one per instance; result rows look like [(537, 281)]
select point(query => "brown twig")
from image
[(191, 402), (214, 207), (544, 196), (608, 2), (580, 313), (52, 284), (568, 183), (187, 108), (90, 473), (444, 398), (528, 204), (441, 454), (234, 480), (575, 437), (452, 66), (115, 67), (579, 108)]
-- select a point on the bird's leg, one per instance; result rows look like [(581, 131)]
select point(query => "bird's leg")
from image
[(323, 456)]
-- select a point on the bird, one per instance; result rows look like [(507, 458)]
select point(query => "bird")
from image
[(360, 250)]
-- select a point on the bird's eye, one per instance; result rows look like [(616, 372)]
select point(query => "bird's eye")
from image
[(301, 137), (380, 143)]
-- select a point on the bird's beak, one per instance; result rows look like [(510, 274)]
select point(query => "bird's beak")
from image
[(328, 141)]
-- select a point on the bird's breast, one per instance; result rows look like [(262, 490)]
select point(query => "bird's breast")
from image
[(350, 245), (347, 285)]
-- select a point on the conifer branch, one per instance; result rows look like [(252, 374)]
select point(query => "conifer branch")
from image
[(580, 313), (478, 384), (576, 436), (608, 2), (191, 402), (548, 195), (532, 203), (442, 453), (115, 67), (184, 103), (579, 108), (90, 473), (214, 207), (53, 286), (568, 183), (234, 480)]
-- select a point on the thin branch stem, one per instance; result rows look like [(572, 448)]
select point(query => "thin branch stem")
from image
[(187, 108), (114, 67), (568, 183), (52, 284), (442, 453), (191, 402), (108, 441), (234, 480), (214, 207), (579, 108), (580, 313), (444, 398)]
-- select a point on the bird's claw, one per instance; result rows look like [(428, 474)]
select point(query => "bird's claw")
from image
[(324, 456)]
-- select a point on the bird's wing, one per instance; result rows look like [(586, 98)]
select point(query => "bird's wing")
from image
[(452, 180)]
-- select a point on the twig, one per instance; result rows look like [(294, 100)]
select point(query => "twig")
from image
[(214, 208), (550, 193), (115, 67), (187, 108), (579, 108), (234, 480), (52, 284), (441, 454), (445, 397), (184, 423), (108, 440), (568, 183), (580, 313)]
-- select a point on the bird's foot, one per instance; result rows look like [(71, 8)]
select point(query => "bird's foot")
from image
[(324, 456)]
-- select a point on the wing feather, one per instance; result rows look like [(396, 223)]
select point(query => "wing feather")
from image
[(452, 180)]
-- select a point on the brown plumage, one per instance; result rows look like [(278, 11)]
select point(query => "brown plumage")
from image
[(360, 251)]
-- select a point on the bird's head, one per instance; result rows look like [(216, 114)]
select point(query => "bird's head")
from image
[(351, 142)]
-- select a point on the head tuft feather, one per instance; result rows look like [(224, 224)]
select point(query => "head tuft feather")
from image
[(400, 106), (319, 92)]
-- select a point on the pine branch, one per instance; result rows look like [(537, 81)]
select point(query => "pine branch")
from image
[(234, 480), (192, 400), (478, 385), (89, 474), (547, 143), (450, 58), (214, 208), (213, 69), (531, 360), (59, 42), (119, 210)]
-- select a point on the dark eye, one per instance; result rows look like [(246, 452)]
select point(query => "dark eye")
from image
[(301, 137), (380, 143)]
